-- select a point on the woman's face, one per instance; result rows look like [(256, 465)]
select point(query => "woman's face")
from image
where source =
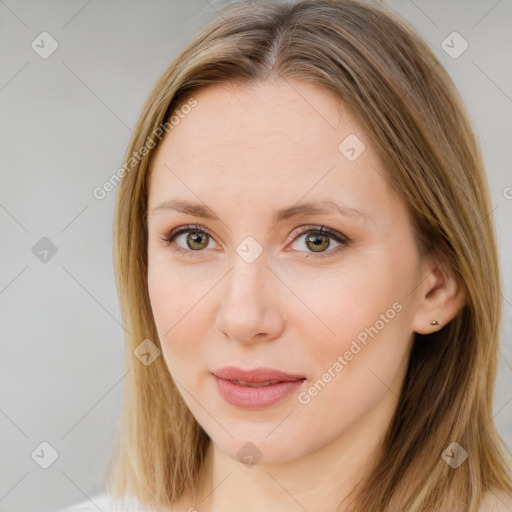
[(250, 288)]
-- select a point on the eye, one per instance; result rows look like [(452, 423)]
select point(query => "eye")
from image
[(317, 240), (198, 238)]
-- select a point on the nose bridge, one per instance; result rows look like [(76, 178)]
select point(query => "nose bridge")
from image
[(249, 268), (248, 281)]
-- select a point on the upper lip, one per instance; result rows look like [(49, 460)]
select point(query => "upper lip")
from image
[(255, 375)]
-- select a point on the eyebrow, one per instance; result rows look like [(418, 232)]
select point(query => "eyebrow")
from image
[(299, 210)]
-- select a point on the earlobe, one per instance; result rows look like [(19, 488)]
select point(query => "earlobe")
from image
[(440, 298)]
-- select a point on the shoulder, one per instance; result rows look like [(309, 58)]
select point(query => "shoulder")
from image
[(496, 502)]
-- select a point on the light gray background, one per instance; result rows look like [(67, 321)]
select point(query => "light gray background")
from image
[(66, 122)]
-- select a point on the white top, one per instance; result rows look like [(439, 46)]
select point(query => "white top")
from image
[(105, 503)]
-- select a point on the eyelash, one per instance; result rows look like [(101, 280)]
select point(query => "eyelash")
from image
[(343, 240)]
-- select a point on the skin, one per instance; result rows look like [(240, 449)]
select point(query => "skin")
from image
[(245, 151)]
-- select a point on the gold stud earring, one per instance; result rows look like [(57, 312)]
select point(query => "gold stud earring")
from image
[(434, 322)]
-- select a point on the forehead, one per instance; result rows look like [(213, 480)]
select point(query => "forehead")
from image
[(271, 140), (266, 116)]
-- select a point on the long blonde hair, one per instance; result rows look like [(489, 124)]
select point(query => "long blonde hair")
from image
[(405, 100)]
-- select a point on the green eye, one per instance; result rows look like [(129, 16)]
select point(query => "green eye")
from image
[(318, 239)]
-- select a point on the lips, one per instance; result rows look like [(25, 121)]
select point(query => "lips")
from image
[(257, 388), (256, 377)]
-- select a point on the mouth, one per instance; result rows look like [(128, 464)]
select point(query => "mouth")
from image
[(255, 389), (259, 375)]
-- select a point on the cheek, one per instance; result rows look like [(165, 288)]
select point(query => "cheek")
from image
[(162, 295), (349, 378), (358, 319), (176, 306), (183, 299), (340, 304), (175, 292)]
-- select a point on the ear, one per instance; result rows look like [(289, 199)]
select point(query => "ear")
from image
[(440, 297)]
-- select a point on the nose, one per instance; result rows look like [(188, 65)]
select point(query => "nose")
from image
[(250, 310)]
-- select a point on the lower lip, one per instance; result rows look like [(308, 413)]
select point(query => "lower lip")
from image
[(256, 398)]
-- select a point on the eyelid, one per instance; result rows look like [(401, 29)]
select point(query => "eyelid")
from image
[(188, 227), (318, 229)]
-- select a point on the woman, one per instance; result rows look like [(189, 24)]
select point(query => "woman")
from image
[(308, 270)]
